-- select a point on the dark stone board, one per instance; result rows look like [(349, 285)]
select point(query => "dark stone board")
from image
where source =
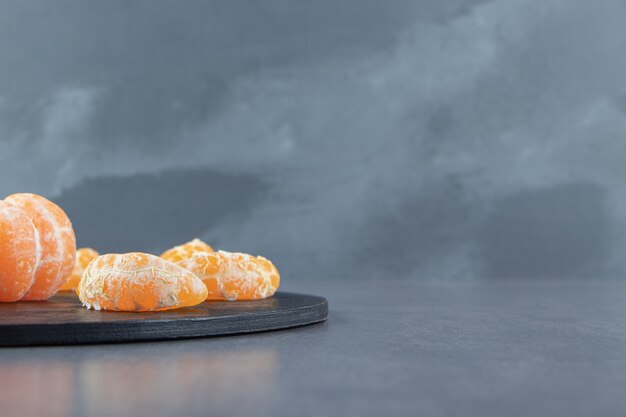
[(63, 320)]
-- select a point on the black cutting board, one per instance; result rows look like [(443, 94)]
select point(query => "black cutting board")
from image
[(63, 320)]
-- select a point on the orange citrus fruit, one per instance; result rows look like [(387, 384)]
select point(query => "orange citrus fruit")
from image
[(19, 252), (138, 282), (83, 257), (186, 250), (234, 276), (57, 244)]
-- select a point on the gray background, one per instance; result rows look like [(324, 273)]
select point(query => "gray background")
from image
[(449, 174), (349, 139)]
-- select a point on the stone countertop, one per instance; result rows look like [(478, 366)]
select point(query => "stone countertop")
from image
[(536, 348)]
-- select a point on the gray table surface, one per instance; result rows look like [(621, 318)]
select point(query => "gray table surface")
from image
[(512, 348)]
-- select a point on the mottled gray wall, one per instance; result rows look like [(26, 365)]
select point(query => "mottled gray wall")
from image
[(350, 139)]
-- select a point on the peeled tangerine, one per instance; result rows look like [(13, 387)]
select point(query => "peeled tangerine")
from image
[(83, 257), (138, 282), (186, 250), (19, 252), (234, 276), (37, 247)]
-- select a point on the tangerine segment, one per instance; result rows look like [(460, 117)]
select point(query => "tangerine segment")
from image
[(234, 276), (186, 250), (19, 252), (83, 257), (138, 282), (56, 240)]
